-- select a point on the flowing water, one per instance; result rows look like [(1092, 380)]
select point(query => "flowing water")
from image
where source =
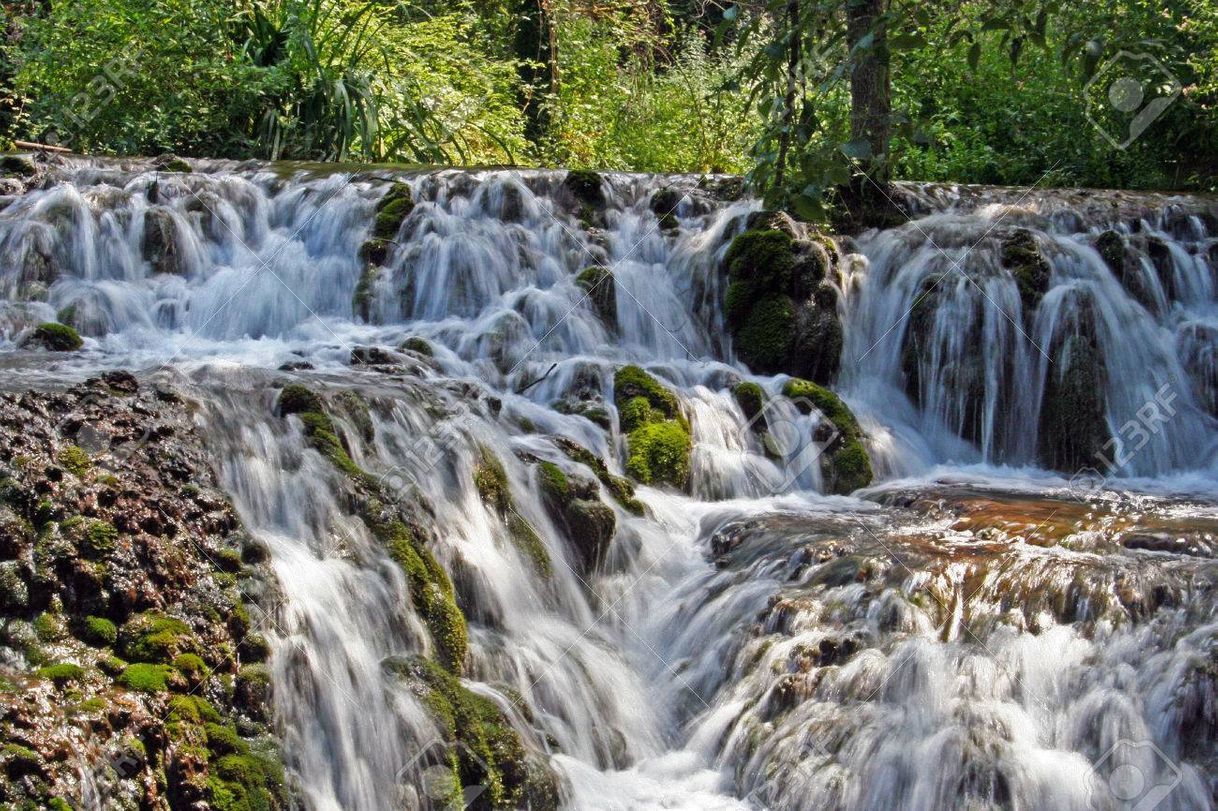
[(971, 632)]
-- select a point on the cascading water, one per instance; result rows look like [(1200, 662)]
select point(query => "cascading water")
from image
[(975, 633)]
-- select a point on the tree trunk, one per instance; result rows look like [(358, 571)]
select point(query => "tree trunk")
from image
[(537, 49), (788, 109), (870, 84)]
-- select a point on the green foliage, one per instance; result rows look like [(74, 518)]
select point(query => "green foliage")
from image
[(154, 638)]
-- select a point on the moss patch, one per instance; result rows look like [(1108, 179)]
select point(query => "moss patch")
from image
[(74, 460), (99, 632), (146, 678), (658, 438), (845, 463), (621, 489), (431, 591), (55, 337), (62, 673)]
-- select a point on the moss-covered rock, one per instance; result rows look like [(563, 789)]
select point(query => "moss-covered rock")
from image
[(778, 305), (601, 291), (171, 163), (1021, 255), (845, 464), (585, 186), (54, 337), (491, 482), (17, 166), (391, 210), (431, 591), (621, 489), (361, 299), (153, 637), (658, 441), (417, 345), (146, 678), (751, 399)]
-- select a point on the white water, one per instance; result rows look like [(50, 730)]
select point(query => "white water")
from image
[(654, 685)]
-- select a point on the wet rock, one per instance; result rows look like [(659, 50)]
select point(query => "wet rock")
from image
[(1125, 266), (664, 203), (18, 166), (658, 440), (160, 246), (601, 289), (1073, 430), (587, 522), (373, 356), (845, 463), (169, 162)]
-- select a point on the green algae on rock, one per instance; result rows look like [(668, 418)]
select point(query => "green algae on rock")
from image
[(658, 440)]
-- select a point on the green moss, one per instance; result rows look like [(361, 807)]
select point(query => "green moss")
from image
[(59, 804), (659, 452), (631, 381), (620, 488), (75, 461), (319, 431), (192, 709), (175, 165), (98, 631), (229, 560), (189, 664), (154, 638), (491, 481), (62, 673), (56, 337), (298, 399), (49, 627), (391, 210), (850, 467), (99, 538), (224, 740), (431, 591), (824, 401), (20, 760), (553, 483), (486, 750), (243, 782), (751, 398), (361, 300), (764, 338), (146, 678), (585, 186), (602, 291), (417, 345), (111, 665), (763, 258), (637, 411), (530, 543)]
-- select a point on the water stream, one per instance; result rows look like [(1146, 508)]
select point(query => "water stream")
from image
[(974, 631)]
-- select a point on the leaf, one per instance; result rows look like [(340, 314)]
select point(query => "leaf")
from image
[(907, 42), (974, 56)]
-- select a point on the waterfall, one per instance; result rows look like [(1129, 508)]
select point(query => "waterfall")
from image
[(974, 631)]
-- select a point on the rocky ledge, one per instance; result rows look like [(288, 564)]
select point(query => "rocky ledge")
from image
[(132, 670)]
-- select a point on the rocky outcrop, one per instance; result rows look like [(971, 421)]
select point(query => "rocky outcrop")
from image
[(575, 505), (391, 211), (780, 305), (1021, 255), (161, 248), (132, 610)]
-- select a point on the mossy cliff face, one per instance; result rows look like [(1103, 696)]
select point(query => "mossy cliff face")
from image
[(779, 305), (657, 434), (125, 587), (472, 724), (844, 463)]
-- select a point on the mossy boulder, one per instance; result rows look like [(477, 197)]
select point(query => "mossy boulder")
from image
[(17, 166), (845, 465), (751, 399), (171, 163), (1021, 255), (361, 299), (620, 488), (432, 593), (54, 337), (658, 440), (391, 210), (152, 637), (601, 289), (319, 428), (418, 346), (779, 316), (587, 522)]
